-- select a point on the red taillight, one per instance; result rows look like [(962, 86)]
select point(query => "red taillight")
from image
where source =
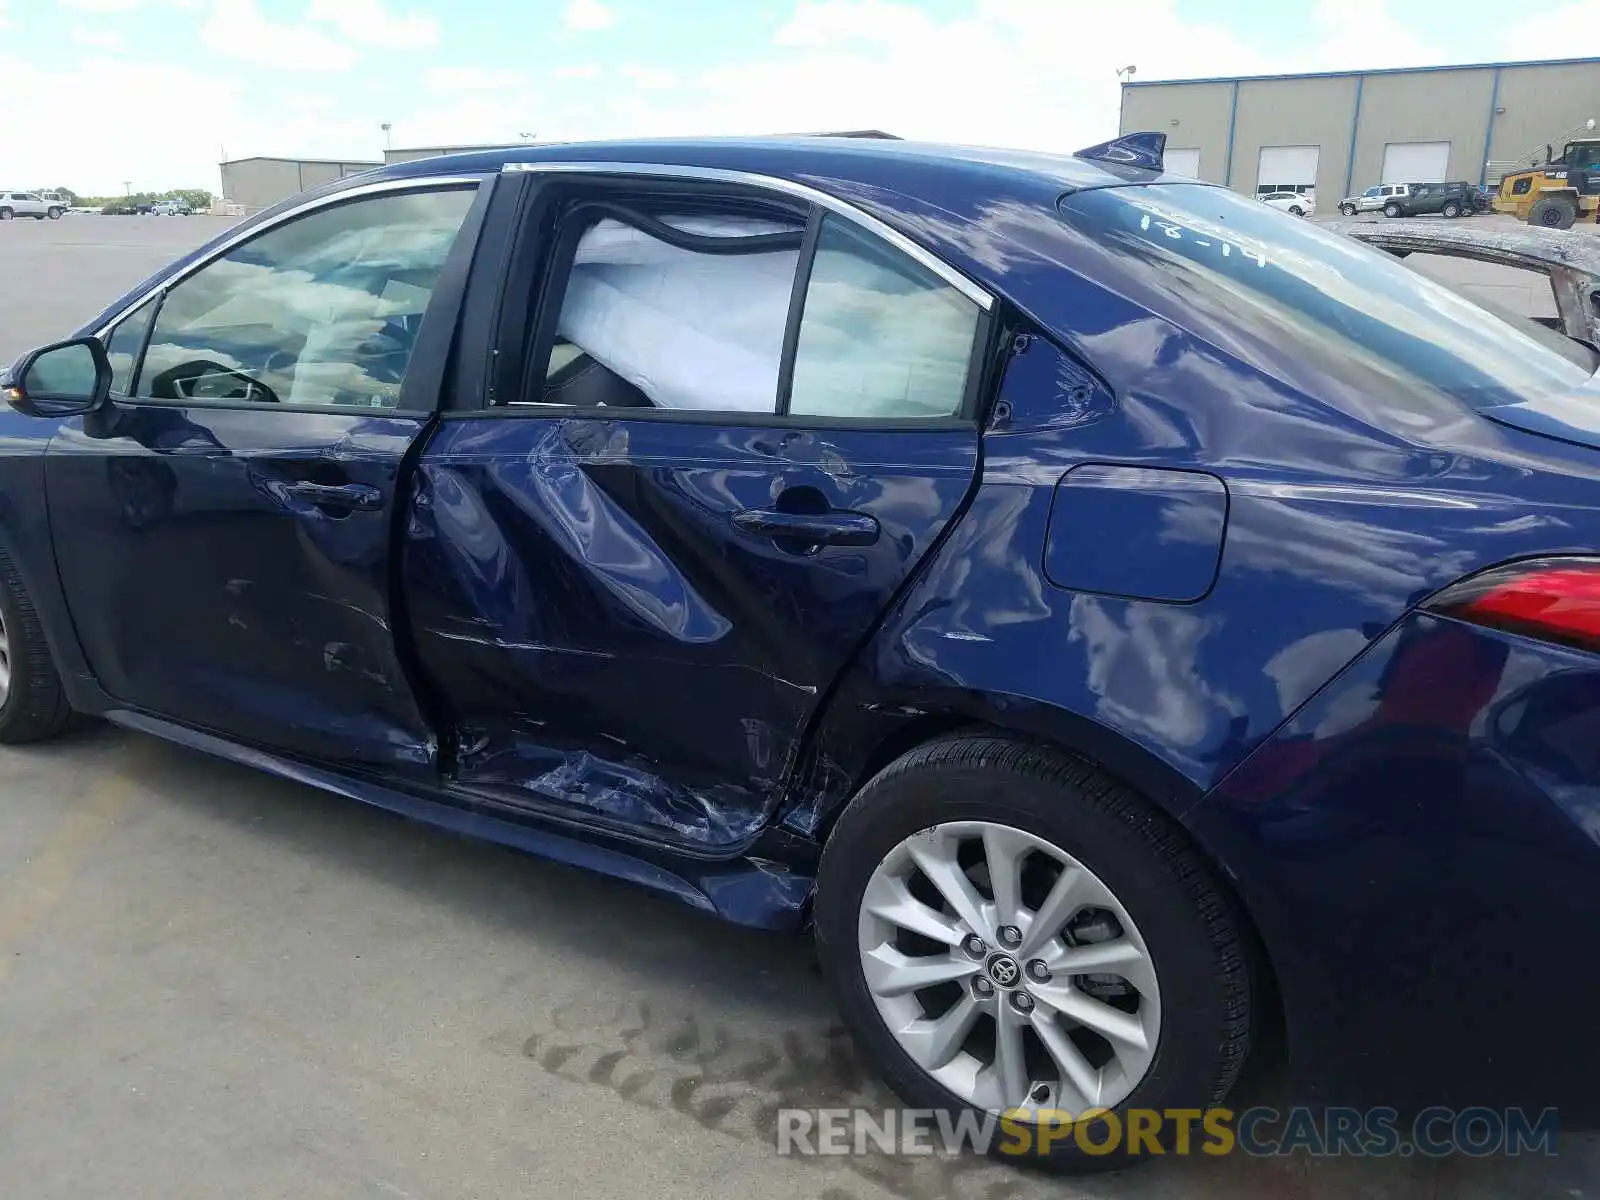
[(1556, 599)]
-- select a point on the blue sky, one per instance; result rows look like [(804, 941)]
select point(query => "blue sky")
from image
[(156, 91)]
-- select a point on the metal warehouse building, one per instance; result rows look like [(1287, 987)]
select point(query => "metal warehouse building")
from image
[(256, 183), (1343, 131)]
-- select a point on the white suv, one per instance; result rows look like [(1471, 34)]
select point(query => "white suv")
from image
[(28, 204)]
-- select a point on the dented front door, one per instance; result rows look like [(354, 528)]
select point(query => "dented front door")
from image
[(631, 620)]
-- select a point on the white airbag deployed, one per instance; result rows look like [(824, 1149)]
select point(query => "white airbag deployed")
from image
[(690, 330)]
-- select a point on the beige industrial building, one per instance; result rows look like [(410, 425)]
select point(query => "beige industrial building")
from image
[(251, 184), (1342, 132)]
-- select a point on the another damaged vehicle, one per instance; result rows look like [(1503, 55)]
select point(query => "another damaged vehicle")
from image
[(1561, 275), (1131, 626)]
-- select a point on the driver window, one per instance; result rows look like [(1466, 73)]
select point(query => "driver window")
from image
[(321, 311)]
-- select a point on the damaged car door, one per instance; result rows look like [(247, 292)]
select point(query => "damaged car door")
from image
[(729, 431), (224, 525)]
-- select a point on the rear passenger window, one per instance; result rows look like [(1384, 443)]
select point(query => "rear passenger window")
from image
[(679, 311), (881, 335), (675, 312)]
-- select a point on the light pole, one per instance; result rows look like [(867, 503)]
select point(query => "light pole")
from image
[(388, 141), (127, 187), (527, 137), (1126, 73)]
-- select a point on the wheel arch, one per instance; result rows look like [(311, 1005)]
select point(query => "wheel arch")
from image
[(1070, 735)]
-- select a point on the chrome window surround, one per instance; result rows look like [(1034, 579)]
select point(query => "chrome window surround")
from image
[(420, 183), (983, 299), (798, 191)]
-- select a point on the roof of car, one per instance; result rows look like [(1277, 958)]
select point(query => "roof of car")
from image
[(817, 159)]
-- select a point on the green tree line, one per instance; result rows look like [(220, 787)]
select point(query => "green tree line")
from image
[(195, 198)]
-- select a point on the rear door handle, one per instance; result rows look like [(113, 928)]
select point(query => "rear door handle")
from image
[(818, 529), (335, 495)]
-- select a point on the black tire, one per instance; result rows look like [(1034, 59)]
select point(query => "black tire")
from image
[(1451, 209), (1164, 885), (6, 214), (1553, 212), (1348, 210), (1391, 210), (35, 706), (55, 214), (1296, 210)]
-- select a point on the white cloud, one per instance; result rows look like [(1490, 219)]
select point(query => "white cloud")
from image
[(453, 80), (102, 6), (1572, 30), (582, 71), (102, 39), (237, 29), (650, 78), (369, 23), (588, 14)]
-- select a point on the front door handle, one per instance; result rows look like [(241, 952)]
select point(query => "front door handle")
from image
[(817, 529), (334, 495)]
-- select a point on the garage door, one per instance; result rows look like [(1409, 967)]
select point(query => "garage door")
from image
[(1287, 169), (1184, 161), (1416, 162)]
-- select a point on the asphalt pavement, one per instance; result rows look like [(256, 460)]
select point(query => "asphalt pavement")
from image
[(216, 983)]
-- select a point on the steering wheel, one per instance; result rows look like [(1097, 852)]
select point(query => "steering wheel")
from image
[(203, 379)]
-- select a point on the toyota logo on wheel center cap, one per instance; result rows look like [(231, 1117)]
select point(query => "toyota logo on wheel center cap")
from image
[(1003, 970)]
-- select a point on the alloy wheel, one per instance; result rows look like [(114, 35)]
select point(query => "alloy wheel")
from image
[(5, 660), (1008, 971)]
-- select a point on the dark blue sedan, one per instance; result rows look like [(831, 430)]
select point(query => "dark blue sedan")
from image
[(1130, 625)]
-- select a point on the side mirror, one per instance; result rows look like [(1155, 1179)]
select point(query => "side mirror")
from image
[(62, 380)]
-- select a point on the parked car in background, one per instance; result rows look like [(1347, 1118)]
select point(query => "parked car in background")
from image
[(25, 204), (1298, 204), (1128, 629), (1371, 200), (1426, 199), (170, 208)]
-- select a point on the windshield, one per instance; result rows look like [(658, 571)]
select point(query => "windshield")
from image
[(1307, 299)]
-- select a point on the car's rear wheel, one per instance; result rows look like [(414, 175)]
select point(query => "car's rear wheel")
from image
[(1008, 929), (6, 214), (33, 705), (1553, 212), (1296, 210), (1391, 210)]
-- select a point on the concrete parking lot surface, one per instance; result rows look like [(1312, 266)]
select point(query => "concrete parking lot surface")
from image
[(215, 983)]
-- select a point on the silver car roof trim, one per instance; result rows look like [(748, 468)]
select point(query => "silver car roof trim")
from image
[(222, 248), (788, 187)]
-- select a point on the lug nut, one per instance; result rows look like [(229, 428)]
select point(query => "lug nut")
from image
[(1038, 972), (1022, 1002), (982, 988), (1010, 935), (974, 946)]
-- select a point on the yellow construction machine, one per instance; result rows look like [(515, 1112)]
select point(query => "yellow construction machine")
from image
[(1558, 192)]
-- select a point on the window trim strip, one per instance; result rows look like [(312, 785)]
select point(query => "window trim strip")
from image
[(810, 195)]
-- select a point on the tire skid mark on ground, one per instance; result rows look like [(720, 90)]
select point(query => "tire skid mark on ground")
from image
[(735, 1085)]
